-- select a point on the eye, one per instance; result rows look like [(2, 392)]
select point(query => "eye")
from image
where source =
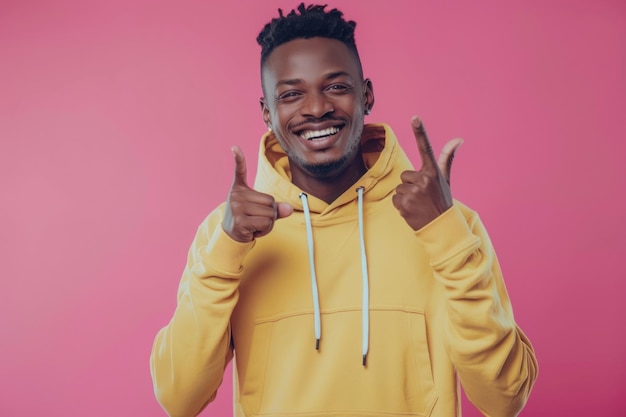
[(338, 88), (288, 96)]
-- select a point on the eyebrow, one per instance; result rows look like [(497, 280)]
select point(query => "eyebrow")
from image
[(330, 76)]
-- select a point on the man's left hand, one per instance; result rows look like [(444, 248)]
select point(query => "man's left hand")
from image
[(425, 194)]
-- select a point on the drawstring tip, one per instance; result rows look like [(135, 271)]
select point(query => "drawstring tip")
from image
[(317, 344), (365, 360)]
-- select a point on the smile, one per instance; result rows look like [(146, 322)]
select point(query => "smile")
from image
[(318, 134)]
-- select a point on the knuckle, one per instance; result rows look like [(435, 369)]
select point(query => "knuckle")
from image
[(396, 200), (235, 205), (268, 200)]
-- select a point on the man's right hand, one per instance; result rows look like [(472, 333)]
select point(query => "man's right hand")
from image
[(249, 213)]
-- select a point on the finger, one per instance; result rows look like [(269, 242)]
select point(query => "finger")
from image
[(283, 210), (423, 144), (261, 225), (412, 177), (447, 156), (254, 204), (241, 171), (251, 197), (253, 228)]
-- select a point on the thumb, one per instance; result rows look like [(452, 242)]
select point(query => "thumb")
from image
[(447, 156), (283, 210), (241, 172)]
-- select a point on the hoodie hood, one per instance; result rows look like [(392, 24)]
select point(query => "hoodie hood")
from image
[(383, 158)]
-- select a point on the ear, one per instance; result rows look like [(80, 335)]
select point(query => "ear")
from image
[(368, 95), (265, 112)]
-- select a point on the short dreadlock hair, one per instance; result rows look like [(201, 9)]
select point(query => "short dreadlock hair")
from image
[(312, 21)]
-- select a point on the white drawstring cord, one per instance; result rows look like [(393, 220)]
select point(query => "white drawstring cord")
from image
[(316, 301), (365, 310), (364, 276)]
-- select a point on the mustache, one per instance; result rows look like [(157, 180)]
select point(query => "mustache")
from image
[(315, 120)]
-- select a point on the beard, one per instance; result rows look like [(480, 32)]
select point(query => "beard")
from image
[(326, 169)]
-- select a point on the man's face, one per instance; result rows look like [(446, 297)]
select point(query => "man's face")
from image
[(314, 101)]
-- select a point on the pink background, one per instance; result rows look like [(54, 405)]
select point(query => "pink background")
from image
[(116, 120)]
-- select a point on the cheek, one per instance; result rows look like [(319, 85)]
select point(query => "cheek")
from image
[(358, 115), (283, 116), (351, 106)]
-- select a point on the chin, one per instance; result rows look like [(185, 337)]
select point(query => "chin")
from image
[(326, 169)]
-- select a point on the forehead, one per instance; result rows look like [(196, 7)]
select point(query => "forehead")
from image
[(308, 60)]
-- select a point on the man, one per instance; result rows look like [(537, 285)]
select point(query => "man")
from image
[(345, 283)]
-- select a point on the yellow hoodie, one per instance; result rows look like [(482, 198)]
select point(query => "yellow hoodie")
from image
[(426, 308)]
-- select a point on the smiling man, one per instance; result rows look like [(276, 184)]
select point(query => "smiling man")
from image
[(344, 282)]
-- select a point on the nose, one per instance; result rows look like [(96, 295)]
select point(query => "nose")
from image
[(317, 105)]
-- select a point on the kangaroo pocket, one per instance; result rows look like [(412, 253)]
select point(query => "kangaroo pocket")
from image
[(286, 376)]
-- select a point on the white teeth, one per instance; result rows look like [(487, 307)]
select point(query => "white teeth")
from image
[(313, 134)]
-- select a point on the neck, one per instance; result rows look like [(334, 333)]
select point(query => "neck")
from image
[(329, 188)]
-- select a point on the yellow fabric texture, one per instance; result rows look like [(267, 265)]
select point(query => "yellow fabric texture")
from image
[(439, 310)]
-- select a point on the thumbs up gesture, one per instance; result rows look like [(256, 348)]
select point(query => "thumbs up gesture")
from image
[(425, 194), (249, 213)]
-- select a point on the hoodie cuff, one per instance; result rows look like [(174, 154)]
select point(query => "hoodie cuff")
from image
[(447, 236), (225, 254)]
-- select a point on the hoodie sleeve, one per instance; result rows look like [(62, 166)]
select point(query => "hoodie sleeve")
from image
[(493, 358), (189, 354)]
